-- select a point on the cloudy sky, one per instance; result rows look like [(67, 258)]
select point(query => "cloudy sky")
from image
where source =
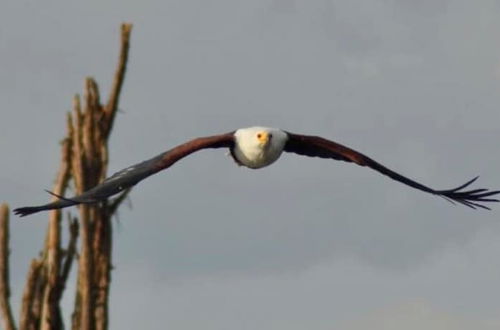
[(305, 243)]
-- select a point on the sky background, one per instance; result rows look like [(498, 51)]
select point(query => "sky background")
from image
[(304, 243)]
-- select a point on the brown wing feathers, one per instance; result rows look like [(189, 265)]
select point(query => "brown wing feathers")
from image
[(168, 158), (314, 146), (131, 175)]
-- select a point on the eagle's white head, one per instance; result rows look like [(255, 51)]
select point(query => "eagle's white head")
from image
[(257, 147)]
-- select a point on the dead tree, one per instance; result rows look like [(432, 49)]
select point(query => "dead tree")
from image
[(84, 161)]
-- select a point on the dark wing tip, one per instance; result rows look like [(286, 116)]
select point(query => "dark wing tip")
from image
[(58, 204), (24, 211), (472, 198)]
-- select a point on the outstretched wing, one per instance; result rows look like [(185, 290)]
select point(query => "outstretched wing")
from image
[(315, 146), (130, 176)]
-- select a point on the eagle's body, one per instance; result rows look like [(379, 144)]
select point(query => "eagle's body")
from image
[(255, 147)]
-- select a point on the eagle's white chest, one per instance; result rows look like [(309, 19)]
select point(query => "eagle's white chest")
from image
[(250, 153)]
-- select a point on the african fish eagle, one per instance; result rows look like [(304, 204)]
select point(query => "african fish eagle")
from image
[(256, 147)]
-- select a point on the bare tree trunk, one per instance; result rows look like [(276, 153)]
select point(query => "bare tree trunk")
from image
[(51, 314), (84, 160), (5, 309), (29, 315)]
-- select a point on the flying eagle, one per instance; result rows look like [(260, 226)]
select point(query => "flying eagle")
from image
[(256, 147)]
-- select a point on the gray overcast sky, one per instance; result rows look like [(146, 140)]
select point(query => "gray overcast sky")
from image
[(305, 243)]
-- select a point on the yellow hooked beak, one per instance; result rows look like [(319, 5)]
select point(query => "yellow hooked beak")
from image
[(264, 138)]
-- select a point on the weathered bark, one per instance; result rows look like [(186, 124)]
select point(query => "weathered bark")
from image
[(92, 129), (84, 160), (5, 308), (51, 313), (30, 315)]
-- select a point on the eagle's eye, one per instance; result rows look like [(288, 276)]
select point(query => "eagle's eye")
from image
[(259, 136), (270, 135)]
